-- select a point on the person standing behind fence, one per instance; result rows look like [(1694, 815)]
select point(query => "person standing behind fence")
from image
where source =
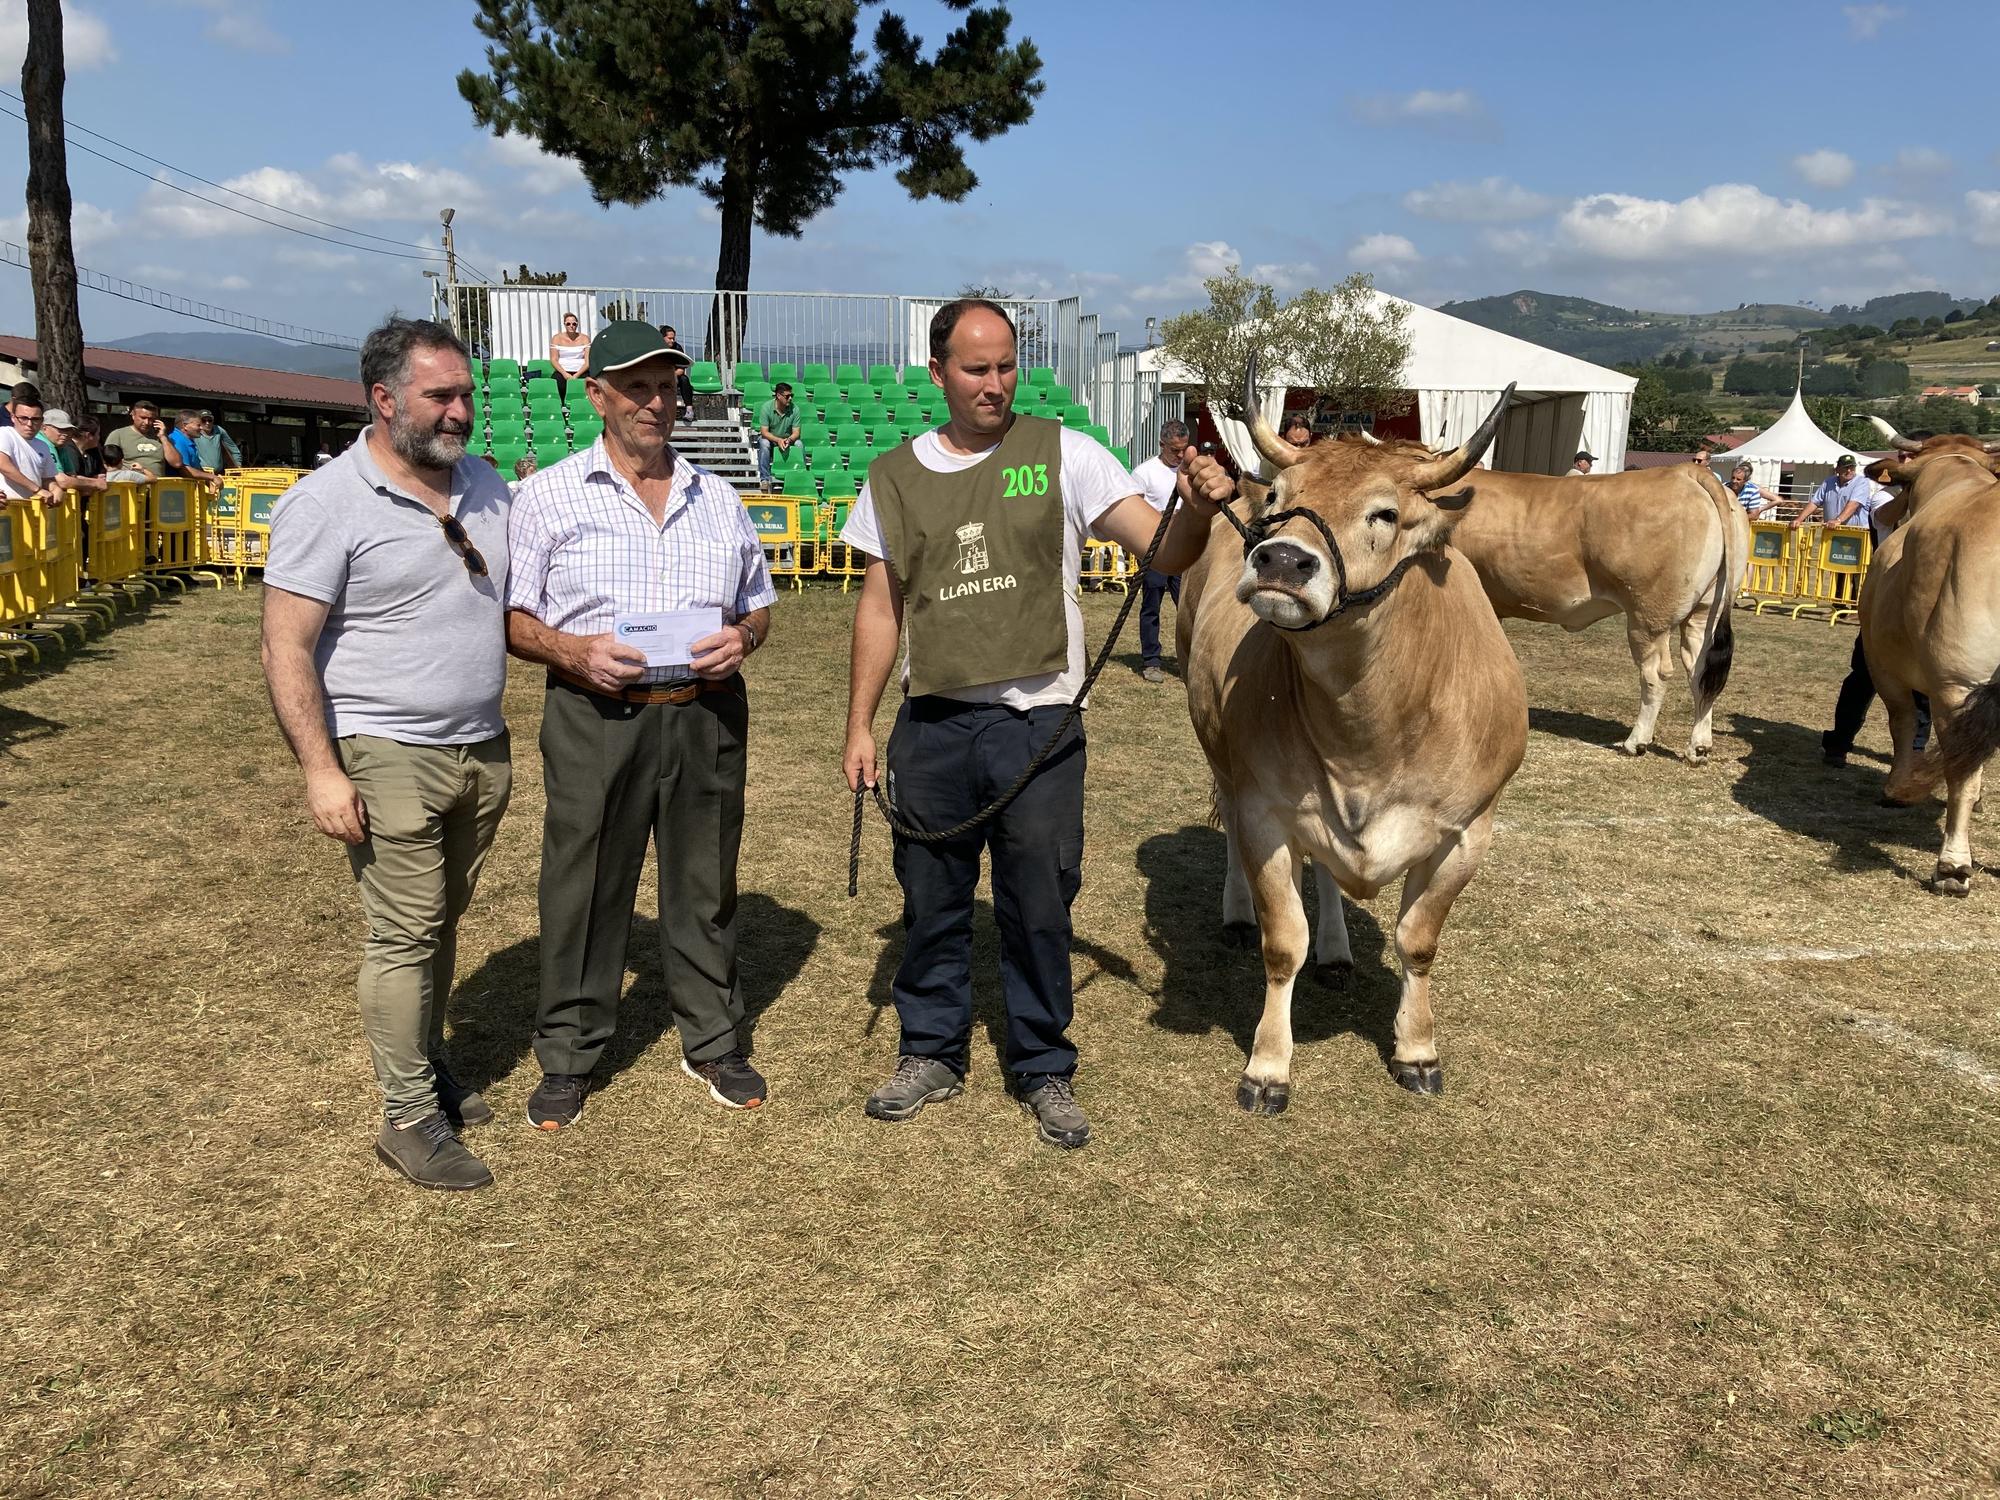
[(569, 352), (143, 441), (213, 445), (1753, 500), (27, 467), (972, 533), (385, 653), (1840, 497), (1156, 478), (633, 754)]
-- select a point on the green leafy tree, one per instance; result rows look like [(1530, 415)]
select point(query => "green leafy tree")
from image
[(763, 105), (1344, 344), (1666, 421), (1843, 420)]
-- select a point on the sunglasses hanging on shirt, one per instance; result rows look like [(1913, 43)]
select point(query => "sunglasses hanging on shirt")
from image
[(462, 544)]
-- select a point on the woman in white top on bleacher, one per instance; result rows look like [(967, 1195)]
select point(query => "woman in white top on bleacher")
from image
[(569, 352)]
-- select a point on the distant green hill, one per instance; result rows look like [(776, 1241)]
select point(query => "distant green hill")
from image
[(1882, 311), (1618, 335)]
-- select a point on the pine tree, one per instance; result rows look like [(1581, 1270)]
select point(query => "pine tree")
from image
[(763, 105)]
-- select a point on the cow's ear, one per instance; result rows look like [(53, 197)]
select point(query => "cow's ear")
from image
[(1455, 501), (1888, 471), (1256, 493)]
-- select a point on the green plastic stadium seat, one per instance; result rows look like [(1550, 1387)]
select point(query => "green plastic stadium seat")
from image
[(879, 375), (918, 378), (872, 416), (498, 370), (1101, 433), (578, 400), (1041, 375), (748, 370), (847, 375), (1056, 395), (793, 457), (543, 390), (850, 435), (784, 371), (840, 414), (587, 433), (814, 434), (507, 455), (1075, 416), (1123, 455), (800, 482), (705, 376), (539, 369), (821, 457), (815, 375), (755, 395)]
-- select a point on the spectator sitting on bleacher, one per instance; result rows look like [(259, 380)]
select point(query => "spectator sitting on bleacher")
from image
[(144, 443), (27, 468), (214, 446), (777, 428), (684, 386), (569, 352), (117, 471)]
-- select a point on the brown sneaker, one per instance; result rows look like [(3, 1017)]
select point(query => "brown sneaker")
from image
[(731, 1081)]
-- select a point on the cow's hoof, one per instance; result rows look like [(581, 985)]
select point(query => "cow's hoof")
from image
[(1885, 800), (1336, 974), (1239, 934), (1262, 1098), (1697, 755), (1626, 747), (1956, 881), (1419, 1078)]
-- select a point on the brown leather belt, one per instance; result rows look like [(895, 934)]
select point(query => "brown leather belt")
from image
[(676, 693)]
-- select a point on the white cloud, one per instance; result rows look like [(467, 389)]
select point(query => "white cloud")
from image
[(1920, 161), (1199, 261), (525, 165), (239, 24), (1864, 21), (1982, 207), (1491, 200), (1824, 168), (90, 227), (87, 40), (1732, 219), (351, 192), (1424, 107), (1381, 250)]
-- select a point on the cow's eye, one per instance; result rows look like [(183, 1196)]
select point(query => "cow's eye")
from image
[(1385, 516)]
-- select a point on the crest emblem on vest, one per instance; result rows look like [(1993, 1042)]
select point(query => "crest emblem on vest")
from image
[(972, 548)]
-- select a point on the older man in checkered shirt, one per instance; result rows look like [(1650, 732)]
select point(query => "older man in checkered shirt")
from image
[(631, 752)]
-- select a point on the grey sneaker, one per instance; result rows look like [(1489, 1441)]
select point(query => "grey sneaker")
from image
[(461, 1105), (430, 1156), (1154, 673), (1057, 1119), (916, 1082)]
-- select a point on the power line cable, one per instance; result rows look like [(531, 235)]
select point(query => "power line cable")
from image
[(131, 291), (69, 125)]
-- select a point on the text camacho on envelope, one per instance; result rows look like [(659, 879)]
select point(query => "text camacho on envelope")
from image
[(666, 637)]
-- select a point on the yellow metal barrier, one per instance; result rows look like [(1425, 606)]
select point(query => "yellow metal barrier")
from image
[(842, 561), (775, 518), (17, 610), (1106, 565), (177, 532), (1769, 578), (1807, 569), (237, 533), (114, 529)]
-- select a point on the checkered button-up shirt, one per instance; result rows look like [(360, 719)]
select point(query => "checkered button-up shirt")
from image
[(583, 549)]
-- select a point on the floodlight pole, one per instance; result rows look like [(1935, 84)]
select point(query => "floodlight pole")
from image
[(450, 271)]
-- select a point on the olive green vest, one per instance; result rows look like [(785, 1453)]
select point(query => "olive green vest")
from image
[(978, 556)]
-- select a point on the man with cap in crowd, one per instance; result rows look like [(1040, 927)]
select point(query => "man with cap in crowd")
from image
[(1841, 497), (215, 449), (1156, 478), (973, 533), (630, 541), (385, 653), (1582, 465)]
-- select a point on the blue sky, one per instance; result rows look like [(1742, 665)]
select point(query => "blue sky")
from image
[(1682, 159)]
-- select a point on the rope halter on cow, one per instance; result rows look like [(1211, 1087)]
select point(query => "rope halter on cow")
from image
[(1439, 471)]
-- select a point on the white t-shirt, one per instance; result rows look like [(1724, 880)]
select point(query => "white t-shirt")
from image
[(30, 457), (1155, 478), (1092, 482)]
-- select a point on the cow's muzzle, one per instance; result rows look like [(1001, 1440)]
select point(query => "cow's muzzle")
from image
[(1286, 583)]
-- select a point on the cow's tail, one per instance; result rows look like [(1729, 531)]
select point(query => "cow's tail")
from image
[(1718, 646), (1973, 734)]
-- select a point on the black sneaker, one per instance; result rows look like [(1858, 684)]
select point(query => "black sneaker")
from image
[(731, 1081), (557, 1100), (430, 1155), (1057, 1119), (461, 1105)]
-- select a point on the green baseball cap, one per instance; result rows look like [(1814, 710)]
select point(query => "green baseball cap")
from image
[(627, 343)]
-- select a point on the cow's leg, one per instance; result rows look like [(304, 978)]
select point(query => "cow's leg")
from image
[(1266, 1087), (1332, 954), (1652, 654), (1239, 912), (1954, 866), (1908, 782), (1428, 891), (1693, 631)]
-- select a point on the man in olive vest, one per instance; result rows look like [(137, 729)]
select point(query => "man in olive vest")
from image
[(973, 534)]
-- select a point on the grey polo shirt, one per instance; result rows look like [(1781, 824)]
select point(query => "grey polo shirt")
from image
[(415, 646)]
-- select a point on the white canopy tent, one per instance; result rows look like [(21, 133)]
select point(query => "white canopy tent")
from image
[(1792, 442), (1457, 370)]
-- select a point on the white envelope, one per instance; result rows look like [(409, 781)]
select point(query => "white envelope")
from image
[(667, 636)]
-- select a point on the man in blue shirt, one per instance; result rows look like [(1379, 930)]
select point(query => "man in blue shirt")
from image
[(1841, 496), (186, 426)]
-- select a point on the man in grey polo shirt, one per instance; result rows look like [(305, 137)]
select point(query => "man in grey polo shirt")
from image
[(385, 650)]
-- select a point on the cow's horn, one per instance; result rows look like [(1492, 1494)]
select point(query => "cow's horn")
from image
[(1368, 437), (1449, 468), (1896, 440), (1276, 452)]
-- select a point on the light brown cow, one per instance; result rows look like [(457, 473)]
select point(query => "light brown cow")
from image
[(1360, 707), (1665, 548), (1930, 623)]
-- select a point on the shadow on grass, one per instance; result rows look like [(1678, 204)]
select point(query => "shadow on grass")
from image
[(19, 727), (1209, 985), (1784, 781), (493, 1009), (989, 1002), (1586, 729)]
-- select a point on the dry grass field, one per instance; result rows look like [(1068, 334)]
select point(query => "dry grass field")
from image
[(1710, 1207)]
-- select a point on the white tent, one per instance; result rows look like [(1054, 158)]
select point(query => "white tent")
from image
[(1457, 370), (1792, 442)]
